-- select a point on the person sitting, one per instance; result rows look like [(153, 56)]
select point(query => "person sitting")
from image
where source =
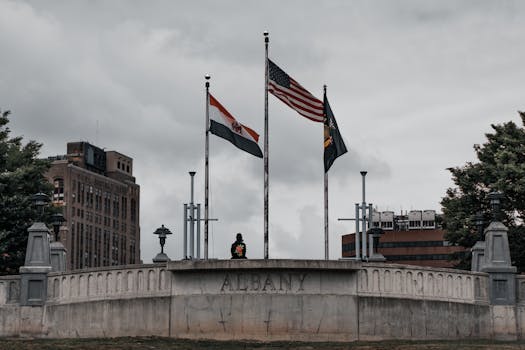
[(238, 249)]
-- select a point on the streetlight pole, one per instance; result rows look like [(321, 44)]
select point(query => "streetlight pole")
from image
[(363, 217), (192, 219), (479, 224)]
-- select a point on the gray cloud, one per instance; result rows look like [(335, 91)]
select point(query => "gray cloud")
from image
[(413, 86)]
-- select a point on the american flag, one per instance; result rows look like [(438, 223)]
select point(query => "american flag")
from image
[(286, 89)]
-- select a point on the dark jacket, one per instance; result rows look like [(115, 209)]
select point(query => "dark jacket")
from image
[(238, 250)]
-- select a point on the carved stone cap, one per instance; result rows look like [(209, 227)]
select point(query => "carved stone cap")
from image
[(35, 269), (161, 258), (57, 246), (480, 245), (38, 227), (499, 269), (279, 264), (496, 226)]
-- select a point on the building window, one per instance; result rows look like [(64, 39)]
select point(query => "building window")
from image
[(71, 254), (58, 190), (414, 224), (116, 207), (123, 250), (421, 257), (133, 213), (107, 204), (348, 247), (132, 251), (115, 249), (412, 244), (82, 194), (106, 248), (124, 207), (428, 223), (97, 201), (387, 224)]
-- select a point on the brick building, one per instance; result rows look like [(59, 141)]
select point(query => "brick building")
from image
[(412, 238), (100, 202)]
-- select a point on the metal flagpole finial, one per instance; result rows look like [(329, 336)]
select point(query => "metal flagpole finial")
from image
[(207, 77), (266, 39)]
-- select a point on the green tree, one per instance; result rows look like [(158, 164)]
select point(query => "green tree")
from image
[(21, 176), (501, 167)]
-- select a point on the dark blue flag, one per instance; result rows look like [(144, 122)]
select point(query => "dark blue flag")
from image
[(333, 142)]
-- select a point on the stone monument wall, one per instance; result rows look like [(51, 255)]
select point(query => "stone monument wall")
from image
[(265, 300)]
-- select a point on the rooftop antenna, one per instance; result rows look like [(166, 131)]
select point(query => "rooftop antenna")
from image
[(97, 133)]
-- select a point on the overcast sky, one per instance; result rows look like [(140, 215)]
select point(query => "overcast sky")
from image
[(413, 86)]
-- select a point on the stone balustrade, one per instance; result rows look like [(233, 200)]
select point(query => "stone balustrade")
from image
[(313, 300), (119, 282), (374, 279), (9, 289), (398, 281)]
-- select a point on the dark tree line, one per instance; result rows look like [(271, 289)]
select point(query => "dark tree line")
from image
[(21, 176), (500, 167)]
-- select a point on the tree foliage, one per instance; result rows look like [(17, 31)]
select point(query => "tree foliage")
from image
[(501, 167), (21, 176)]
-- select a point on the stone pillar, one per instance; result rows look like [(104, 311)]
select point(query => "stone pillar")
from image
[(478, 256), (58, 257), (375, 233), (33, 275), (502, 279)]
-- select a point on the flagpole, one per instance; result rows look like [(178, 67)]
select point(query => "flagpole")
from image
[(206, 167), (266, 153), (326, 253)]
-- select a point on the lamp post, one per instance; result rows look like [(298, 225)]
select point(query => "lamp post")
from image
[(478, 250), (478, 219), (57, 220), (495, 199), (40, 200), (162, 232), (58, 251)]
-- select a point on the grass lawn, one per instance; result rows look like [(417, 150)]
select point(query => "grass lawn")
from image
[(154, 343)]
